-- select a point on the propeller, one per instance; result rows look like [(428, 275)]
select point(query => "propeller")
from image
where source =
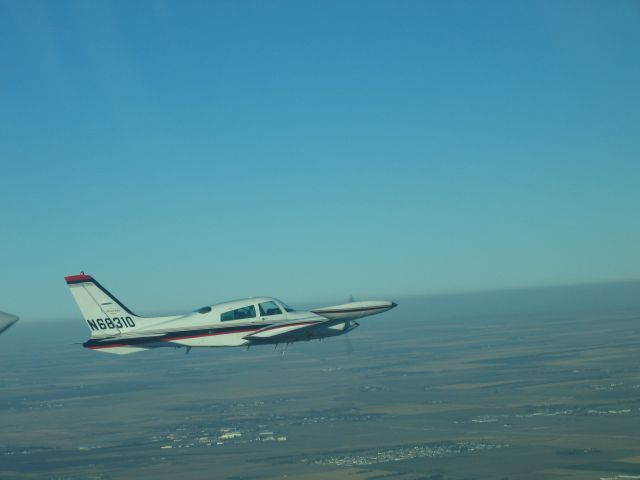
[(348, 345)]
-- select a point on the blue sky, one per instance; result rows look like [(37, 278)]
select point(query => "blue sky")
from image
[(191, 152)]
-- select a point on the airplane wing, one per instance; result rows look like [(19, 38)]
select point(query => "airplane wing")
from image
[(6, 320), (286, 331), (354, 310)]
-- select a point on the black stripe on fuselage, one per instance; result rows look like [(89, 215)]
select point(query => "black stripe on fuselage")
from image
[(104, 290), (167, 337)]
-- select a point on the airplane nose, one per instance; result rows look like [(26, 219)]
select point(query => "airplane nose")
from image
[(394, 304)]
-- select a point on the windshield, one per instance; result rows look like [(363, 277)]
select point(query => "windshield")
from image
[(286, 307)]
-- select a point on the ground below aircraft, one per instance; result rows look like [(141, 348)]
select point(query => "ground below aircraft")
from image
[(250, 321)]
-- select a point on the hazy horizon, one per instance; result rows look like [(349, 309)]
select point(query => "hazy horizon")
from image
[(598, 297)]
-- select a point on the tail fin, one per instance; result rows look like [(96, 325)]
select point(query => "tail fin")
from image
[(104, 313)]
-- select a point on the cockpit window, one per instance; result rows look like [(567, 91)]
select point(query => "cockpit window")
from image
[(269, 308), (239, 314), (203, 310)]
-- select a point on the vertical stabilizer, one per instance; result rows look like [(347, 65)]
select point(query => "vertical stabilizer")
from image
[(105, 314)]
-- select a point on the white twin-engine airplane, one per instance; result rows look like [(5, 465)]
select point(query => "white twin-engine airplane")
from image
[(252, 321)]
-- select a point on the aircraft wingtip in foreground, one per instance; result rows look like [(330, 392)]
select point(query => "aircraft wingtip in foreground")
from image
[(6, 320), (250, 321)]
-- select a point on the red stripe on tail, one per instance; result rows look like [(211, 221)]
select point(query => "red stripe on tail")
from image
[(76, 278)]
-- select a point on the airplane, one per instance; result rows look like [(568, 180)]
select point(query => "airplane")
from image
[(6, 320), (238, 323)]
